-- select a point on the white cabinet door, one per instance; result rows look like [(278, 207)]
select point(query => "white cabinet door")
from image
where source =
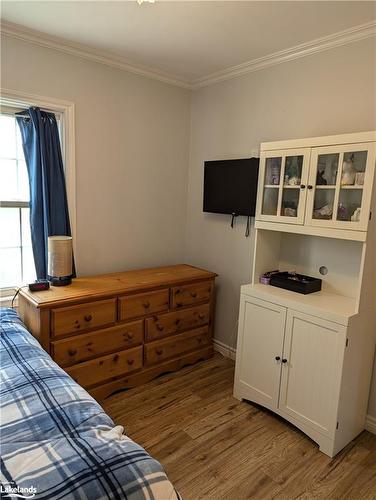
[(259, 351), (311, 371), (282, 185), (340, 186)]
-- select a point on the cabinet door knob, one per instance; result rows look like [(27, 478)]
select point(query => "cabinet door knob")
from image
[(88, 317), (309, 186), (302, 186), (284, 360), (277, 358)]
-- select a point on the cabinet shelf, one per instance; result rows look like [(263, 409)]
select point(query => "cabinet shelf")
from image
[(271, 186), (352, 187)]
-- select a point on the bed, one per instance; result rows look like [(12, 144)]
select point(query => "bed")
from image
[(56, 440)]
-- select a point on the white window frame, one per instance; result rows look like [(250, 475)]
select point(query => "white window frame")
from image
[(65, 110)]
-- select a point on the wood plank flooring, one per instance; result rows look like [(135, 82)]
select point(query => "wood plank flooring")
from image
[(215, 447)]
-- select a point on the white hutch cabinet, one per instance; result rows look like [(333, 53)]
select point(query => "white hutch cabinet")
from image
[(309, 357)]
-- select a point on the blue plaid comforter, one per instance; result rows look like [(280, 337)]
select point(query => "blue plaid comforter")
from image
[(56, 440)]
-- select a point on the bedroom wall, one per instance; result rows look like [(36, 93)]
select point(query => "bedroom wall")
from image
[(132, 139), (327, 93)]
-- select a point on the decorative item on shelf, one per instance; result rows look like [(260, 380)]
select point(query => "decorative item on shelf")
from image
[(274, 172), (359, 178), (324, 212), (356, 215), (265, 278), (295, 282), (348, 172), (294, 181), (289, 212), (60, 260), (320, 179), (342, 212)]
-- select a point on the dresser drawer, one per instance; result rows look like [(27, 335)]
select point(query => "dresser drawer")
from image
[(178, 321), (75, 319), (106, 367), (191, 294), (88, 345), (161, 350), (141, 304)]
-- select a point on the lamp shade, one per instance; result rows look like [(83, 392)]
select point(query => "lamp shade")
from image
[(60, 259)]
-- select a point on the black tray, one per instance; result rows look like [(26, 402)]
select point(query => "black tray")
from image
[(296, 282)]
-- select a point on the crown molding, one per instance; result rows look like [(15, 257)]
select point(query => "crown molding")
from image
[(322, 44), (85, 52), (350, 35)]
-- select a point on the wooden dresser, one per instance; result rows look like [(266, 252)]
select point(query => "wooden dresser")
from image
[(119, 330)]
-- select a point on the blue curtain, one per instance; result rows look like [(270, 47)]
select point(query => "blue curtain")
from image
[(48, 198)]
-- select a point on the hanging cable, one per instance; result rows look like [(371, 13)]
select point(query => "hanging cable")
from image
[(15, 295), (248, 226)]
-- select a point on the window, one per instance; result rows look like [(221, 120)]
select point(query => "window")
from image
[(16, 256)]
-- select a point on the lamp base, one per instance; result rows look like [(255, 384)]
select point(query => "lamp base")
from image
[(60, 281)]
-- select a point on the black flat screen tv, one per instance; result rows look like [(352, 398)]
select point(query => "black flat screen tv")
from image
[(230, 186)]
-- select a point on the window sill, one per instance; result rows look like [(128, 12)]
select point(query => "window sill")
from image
[(7, 301)]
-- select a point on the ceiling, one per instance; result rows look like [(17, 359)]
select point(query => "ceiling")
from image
[(193, 39)]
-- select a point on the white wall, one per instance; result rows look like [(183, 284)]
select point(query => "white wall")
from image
[(131, 155), (329, 93), (132, 149)]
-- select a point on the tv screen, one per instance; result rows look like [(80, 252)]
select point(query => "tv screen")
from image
[(230, 186)]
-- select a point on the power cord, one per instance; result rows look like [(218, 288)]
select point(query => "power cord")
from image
[(15, 295)]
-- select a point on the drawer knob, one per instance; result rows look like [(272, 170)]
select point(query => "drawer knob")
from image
[(201, 316), (159, 351), (72, 352), (284, 360), (116, 357), (177, 321), (77, 325), (193, 295), (199, 340), (160, 328), (146, 305), (179, 304), (130, 335), (177, 291), (130, 362), (88, 317)]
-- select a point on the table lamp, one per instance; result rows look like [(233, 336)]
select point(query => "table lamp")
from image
[(60, 260)]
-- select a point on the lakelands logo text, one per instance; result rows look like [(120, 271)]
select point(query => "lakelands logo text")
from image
[(17, 491)]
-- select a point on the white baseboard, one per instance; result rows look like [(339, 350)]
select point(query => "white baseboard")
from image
[(371, 424), (225, 350)]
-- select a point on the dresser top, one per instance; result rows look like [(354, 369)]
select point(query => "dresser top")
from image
[(105, 285)]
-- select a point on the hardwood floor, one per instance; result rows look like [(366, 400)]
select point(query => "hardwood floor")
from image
[(215, 447)]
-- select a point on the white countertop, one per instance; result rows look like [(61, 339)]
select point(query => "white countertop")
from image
[(330, 306)]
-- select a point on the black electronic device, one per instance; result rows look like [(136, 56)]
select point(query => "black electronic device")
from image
[(39, 285), (230, 186)]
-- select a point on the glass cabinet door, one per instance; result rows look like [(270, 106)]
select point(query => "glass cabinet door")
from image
[(284, 176), (340, 186)]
